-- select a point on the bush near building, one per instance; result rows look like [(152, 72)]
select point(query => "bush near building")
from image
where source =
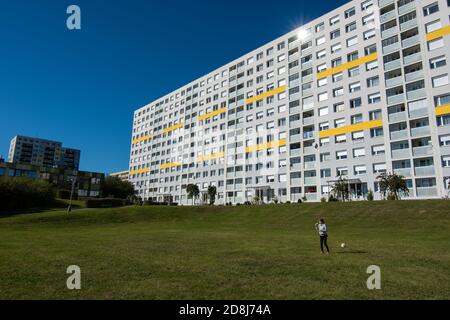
[(114, 187), (25, 193)]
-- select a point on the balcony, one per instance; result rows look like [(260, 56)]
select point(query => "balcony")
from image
[(406, 8), (399, 98), (408, 25), (391, 48), (384, 3), (296, 167), (427, 192), (418, 113), (410, 41), (306, 65), (294, 44), (397, 117), (389, 32), (399, 135), (392, 65), (401, 154), (295, 153), (416, 94), (420, 131), (413, 58), (425, 171), (309, 150), (311, 196), (296, 182), (308, 135), (388, 16), (393, 82), (414, 76), (405, 172), (310, 165), (310, 181), (423, 151), (295, 124), (308, 121)]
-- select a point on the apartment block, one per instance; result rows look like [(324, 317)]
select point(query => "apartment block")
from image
[(41, 152), (360, 91)]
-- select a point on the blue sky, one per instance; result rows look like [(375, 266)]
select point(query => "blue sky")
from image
[(81, 87)]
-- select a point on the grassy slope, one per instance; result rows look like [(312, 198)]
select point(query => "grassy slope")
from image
[(267, 252)]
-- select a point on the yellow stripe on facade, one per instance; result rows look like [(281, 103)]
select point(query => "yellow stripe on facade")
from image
[(352, 128), (148, 137), (145, 170), (170, 165), (211, 157), (443, 110), (438, 33), (172, 128), (348, 65), (265, 146), (266, 94), (212, 114)]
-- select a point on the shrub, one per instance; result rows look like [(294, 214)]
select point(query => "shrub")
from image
[(104, 203), (370, 196), (323, 200), (333, 199), (114, 187), (24, 193), (299, 201)]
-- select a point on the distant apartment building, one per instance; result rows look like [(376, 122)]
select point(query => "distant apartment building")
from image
[(41, 152), (124, 175), (87, 184), (360, 91)]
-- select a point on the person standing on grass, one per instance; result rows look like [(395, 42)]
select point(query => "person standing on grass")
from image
[(322, 228)]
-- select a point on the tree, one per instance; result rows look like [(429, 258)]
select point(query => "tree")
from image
[(193, 191), (392, 186), (340, 189), (114, 187), (212, 192)]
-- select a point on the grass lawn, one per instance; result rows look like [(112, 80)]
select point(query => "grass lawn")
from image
[(260, 252)]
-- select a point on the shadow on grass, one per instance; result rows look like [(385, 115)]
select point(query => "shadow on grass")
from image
[(352, 252), (56, 205)]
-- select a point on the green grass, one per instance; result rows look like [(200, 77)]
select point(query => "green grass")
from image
[(264, 252)]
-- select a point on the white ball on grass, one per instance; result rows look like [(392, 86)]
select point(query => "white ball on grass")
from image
[(343, 245)]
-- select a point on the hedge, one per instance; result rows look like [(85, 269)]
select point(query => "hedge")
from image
[(17, 193), (105, 203)]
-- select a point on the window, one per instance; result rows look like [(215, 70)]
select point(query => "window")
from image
[(369, 34), (336, 48), (323, 112), (372, 65), (341, 155), (378, 150), (433, 26), (373, 82), (435, 44), (359, 152), (354, 87), (374, 98), (334, 20), (438, 62), (320, 41), (446, 161), (432, 8), (352, 41), (323, 96), (440, 81), (360, 170), (350, 13), (444, 140)]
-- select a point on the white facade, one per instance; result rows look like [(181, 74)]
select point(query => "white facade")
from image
[(359, 91)]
